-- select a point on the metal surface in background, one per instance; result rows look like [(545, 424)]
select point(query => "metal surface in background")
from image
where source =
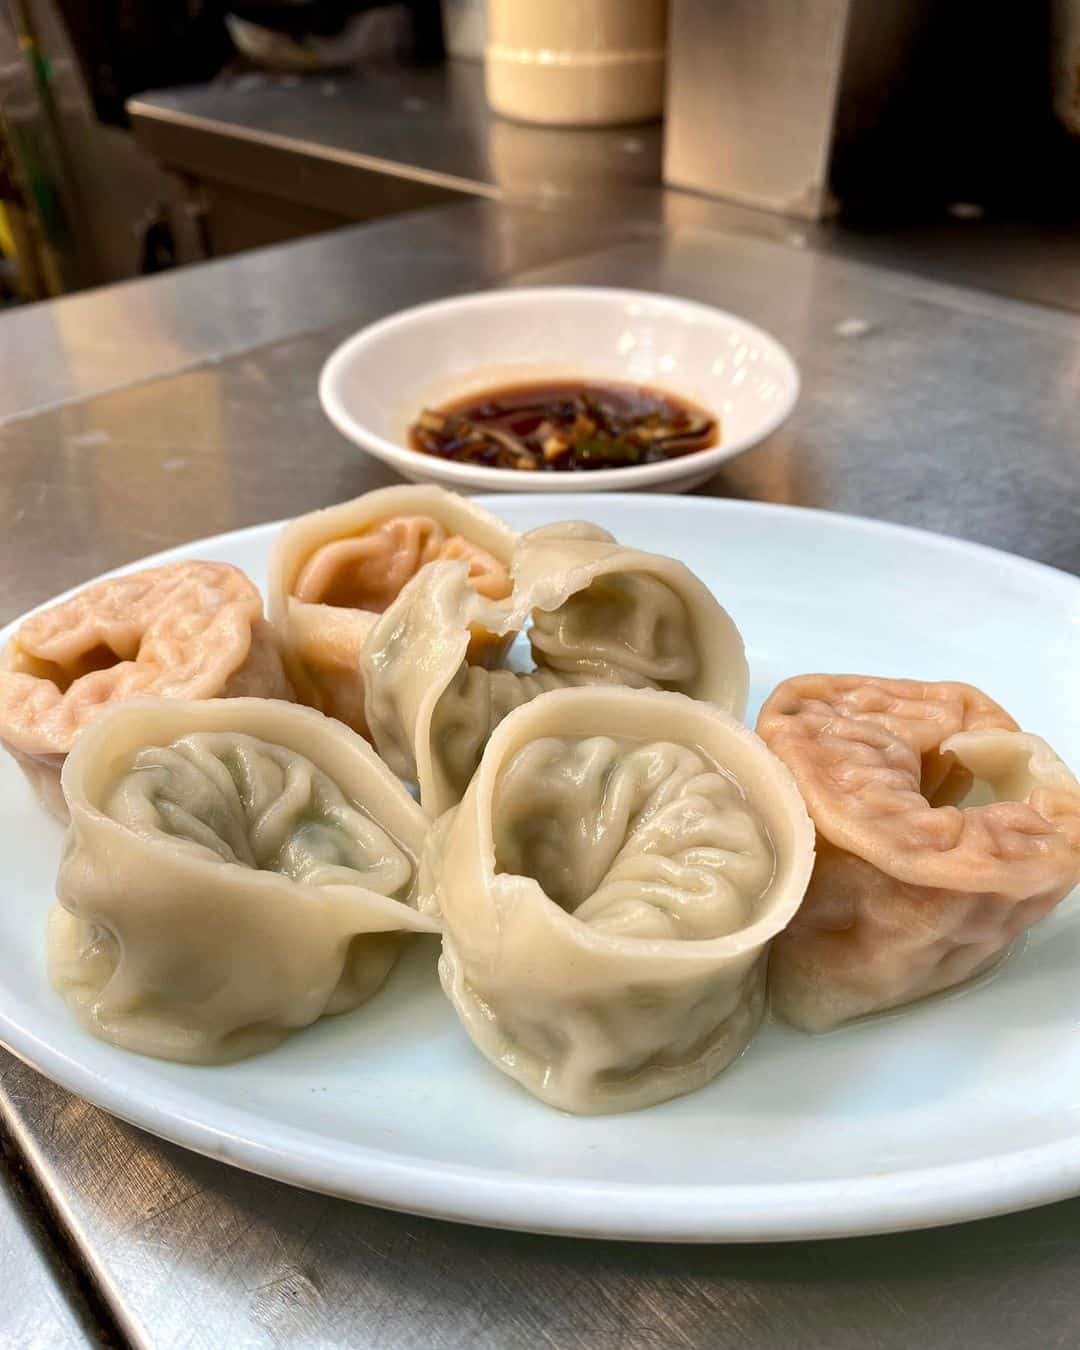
[(428, 125), (195, 1256), (37, 1309), (87, 344), (268, 158), (921, 403), (336, 142)]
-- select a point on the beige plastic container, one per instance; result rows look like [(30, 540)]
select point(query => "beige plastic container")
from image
[(576, 62)]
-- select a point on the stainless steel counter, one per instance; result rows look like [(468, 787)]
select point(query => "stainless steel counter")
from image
[(921, 403), (264, 157), (89, 343), (422, 124), (360, 142), (39, 1308)]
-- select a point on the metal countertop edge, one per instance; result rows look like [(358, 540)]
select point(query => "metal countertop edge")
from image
[(89, 1292), (314, 149)]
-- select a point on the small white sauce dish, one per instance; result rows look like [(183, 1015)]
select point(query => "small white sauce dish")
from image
[(376, 383)]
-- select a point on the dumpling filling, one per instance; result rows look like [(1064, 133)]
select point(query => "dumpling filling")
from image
[(235, 870), (257, 805), (644, 840), (629, 629), (608, 900), (622, 625), (368, 570)]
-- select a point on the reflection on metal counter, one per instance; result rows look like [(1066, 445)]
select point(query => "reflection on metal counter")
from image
[(40, 1308), (266, 159)]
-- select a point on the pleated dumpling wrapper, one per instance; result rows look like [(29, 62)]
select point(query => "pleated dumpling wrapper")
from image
[(600, 613), (187, 630), (234, 870), (608, 888), (333, 572), (943, 833)]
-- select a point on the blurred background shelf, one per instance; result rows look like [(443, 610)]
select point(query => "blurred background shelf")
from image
[(267, 157), (948, 160)]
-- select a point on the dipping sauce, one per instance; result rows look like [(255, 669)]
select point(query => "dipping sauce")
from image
[(564, 427)]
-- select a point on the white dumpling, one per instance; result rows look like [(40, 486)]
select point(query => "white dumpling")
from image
[(599, 613), (234, 870), (600, 607), (608, 888)]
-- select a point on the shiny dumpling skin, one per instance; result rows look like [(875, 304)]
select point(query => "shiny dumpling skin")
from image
[(185, 630), (913, 891), (623, 615), (332, 572), (600, 612), (234, 870), (677, 878)]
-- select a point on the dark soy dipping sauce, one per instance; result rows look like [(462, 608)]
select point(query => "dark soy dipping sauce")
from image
[(564, 426)]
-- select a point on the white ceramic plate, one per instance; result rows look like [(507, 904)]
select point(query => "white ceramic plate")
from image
[(374, 384), (965, 1106)]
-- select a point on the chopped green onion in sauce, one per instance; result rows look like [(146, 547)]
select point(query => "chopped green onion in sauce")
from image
[(564, 427)]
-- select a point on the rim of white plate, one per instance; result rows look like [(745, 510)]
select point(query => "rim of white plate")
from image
[(836, 1207)]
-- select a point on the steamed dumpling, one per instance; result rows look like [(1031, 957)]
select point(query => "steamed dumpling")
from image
[(599, 613), (334, 571), (234, 870), (608, 888), (943, 832), (645, 839), (186, 630)]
